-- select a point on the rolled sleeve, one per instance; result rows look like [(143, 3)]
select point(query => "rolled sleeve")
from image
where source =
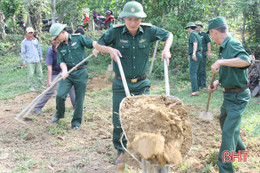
[(106, 38), (159, 33), (193, 38), (87, 42)]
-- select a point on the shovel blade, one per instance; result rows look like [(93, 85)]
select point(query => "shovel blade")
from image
[(207, 116)]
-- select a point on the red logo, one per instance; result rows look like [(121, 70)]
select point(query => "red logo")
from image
[(228, 156), (132, 9)]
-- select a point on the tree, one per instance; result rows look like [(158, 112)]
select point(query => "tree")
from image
[(2, 26), (9, 7)]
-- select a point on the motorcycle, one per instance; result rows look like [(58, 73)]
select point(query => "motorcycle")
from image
[(103, 22)]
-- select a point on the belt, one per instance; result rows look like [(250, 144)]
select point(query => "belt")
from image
[(132, 80), (235, 90), (78, 68)]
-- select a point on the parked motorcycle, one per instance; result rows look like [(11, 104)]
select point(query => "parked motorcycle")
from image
[(103, 22)]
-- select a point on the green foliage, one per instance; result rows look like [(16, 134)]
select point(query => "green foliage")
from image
[(9, 7)]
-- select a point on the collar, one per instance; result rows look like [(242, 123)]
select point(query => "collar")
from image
[(223, 45), (140, 29), (29, 38)]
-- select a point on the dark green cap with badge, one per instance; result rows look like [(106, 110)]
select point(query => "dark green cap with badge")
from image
[(133, 9), (56, 29), (199, 23), (216, 22), (190, 24)]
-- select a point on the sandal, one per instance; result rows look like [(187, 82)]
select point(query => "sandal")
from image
[(194, 93)]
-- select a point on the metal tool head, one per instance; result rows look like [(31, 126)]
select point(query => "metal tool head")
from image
[(206, 116)]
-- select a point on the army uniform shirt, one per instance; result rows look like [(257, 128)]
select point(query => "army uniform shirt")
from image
[(194, 38), (233, 77), (134, 49), (205, 40), (73, 52)]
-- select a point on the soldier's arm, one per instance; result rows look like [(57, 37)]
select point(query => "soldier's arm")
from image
[(195, 46), (105, 49), (64, 69), (233, 62), (166, 51)]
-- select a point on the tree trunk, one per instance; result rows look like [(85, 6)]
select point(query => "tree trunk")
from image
[(35, 9), (53, 11), (157, 43), (243, 28), (14, 23), (2, 26), (61, 14)]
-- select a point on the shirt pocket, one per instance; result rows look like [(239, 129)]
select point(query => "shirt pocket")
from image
[(143, 49), (63, 52), (124, 49), (76, 46)]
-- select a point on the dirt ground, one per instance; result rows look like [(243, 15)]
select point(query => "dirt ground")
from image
[(32, 147)]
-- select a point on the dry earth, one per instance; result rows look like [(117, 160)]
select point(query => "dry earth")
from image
[(31, 147)]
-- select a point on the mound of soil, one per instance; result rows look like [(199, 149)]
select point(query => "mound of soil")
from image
[(157, 127)]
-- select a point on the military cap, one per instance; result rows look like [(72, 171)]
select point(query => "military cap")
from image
[(190, 24), (199, 23), (56, 29), (133, 9), (216, 22)]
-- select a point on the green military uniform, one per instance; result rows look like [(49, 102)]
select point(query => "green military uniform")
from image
[(135, 57), (234, 103), (72, 53), (202, 70), (195, 65)]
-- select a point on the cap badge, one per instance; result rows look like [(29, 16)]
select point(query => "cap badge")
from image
[(132, 9)]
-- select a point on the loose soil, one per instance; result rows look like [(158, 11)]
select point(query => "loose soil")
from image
[(32, 147), (157, 128)]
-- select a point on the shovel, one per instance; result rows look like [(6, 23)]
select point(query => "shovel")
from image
[(205, 115), (147, 167), (29, 108)]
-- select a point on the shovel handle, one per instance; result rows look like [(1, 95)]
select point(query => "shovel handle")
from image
[(211, 86), (122, 74), (212, 80), (166, 77)]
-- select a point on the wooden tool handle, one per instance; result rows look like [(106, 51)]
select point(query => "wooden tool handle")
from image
[(127, 93), (211, 86), (166, 78), (212, 81)]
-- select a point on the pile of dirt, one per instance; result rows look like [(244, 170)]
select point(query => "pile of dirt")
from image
[(157, 127)]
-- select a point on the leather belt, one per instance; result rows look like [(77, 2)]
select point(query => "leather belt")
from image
[(235, 90), (132, 80), (78, 68)]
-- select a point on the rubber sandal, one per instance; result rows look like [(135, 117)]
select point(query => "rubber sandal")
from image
[(194, 94)]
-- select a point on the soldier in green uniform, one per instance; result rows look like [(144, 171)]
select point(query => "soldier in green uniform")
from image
[(206, 46), (195, 46), (133, 40), (69, 53), (232, 66)]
